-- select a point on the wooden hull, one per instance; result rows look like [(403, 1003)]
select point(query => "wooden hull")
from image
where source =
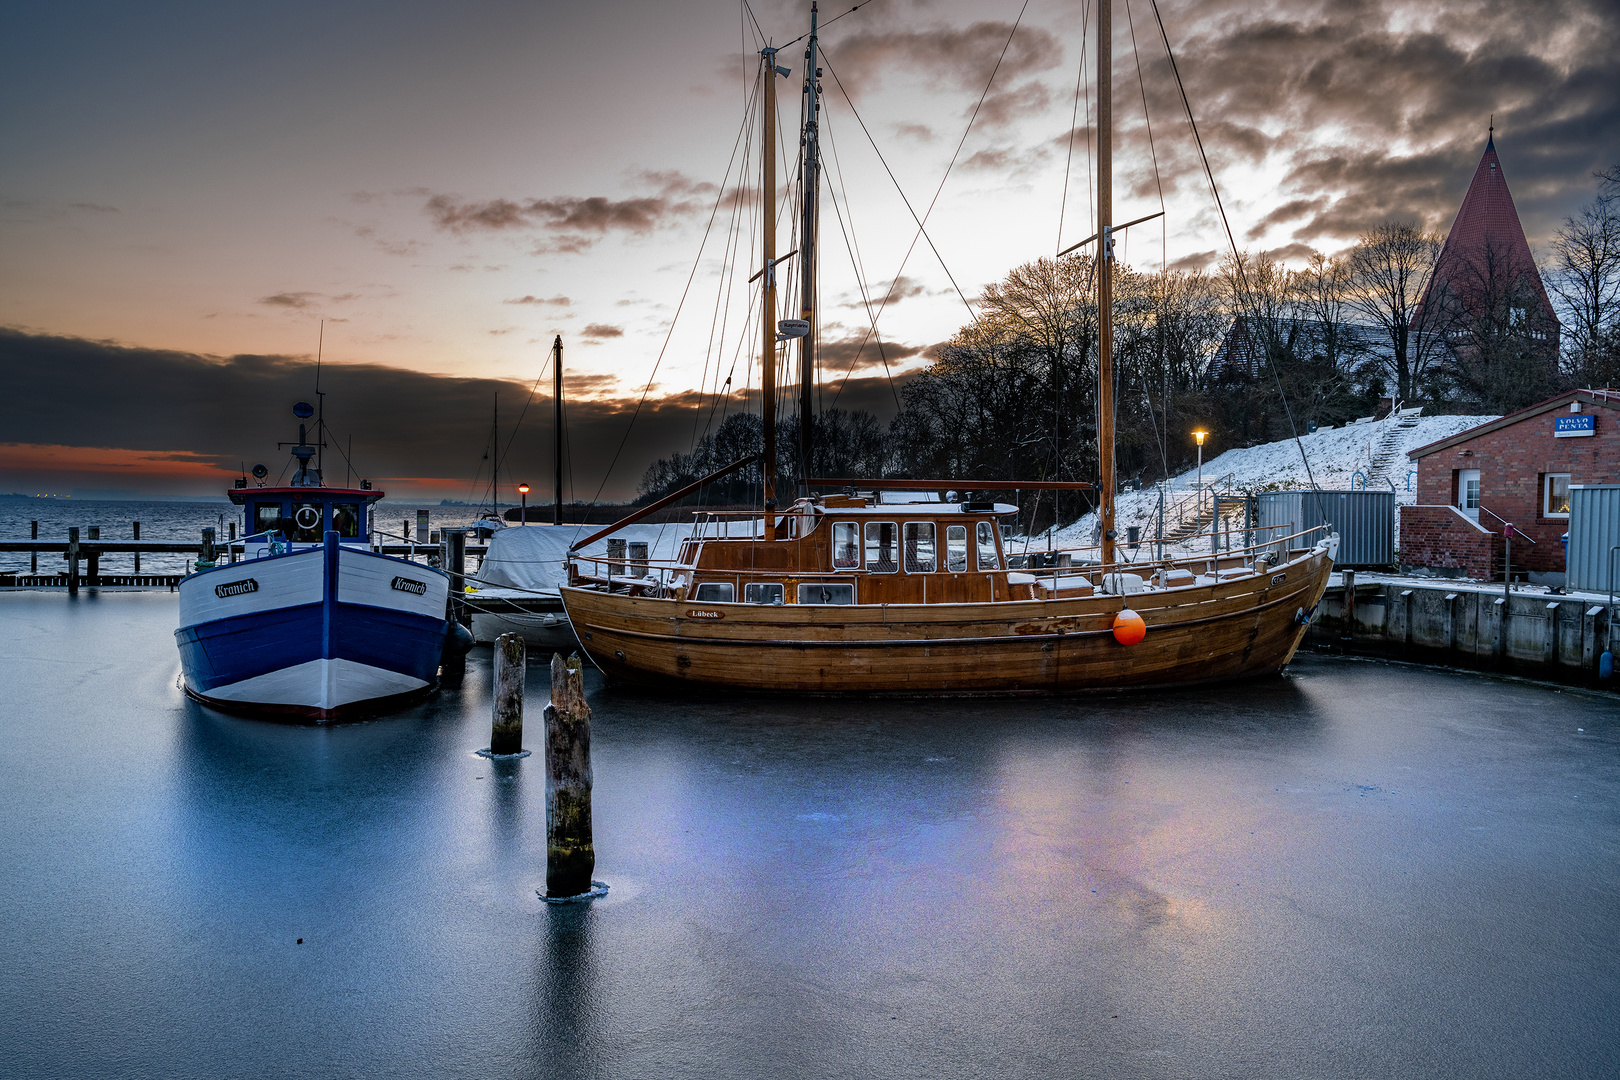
[(1227, 630)]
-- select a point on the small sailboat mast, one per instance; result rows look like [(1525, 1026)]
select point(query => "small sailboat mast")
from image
[(808, 228), (1105, 278), (557, 427)]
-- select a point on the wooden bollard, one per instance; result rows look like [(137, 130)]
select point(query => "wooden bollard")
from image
[(73, 560), (506, 733), (33, 557), (93, 559), (137, 554), (570, 853)]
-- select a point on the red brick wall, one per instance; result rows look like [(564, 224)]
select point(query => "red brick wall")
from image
[(1511, 463), (1440, 538)]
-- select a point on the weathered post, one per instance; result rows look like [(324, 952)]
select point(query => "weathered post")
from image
[(92, 559), (137, 554), (230, 552), (205, 557), (570, 852), (1349, 607), (616, 556), (456, 567), (33, 556), (73, 560), (506, 732)]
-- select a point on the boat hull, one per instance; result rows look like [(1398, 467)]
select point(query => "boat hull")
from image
[(319, 634), (1206, 633)]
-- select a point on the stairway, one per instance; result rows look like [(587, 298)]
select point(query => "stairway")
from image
[(1387, 457)]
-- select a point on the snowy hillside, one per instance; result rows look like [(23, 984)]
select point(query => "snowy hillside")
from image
[(1376, 450)]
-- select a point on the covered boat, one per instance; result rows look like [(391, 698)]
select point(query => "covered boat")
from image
[(312, 622)]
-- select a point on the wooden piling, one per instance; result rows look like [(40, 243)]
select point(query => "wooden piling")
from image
[(506, 731), (33, 556), (92, 559), (1349, 602), (73, 560), (570, 852), (205, 557), (137, 554)]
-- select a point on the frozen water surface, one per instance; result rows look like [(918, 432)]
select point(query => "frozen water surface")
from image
[(1359, 870)]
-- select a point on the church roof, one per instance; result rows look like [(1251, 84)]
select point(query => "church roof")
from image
[(1487, 216)]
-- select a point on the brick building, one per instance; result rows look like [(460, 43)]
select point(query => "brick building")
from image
[(1514, 469)]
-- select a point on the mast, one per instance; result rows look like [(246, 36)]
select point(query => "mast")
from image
[(767, 311), (1105, 275), (495, 456), (807, 246), (557, 426)]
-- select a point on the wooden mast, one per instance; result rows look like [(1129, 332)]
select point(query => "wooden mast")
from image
[(557, 426), (1105, 274), (807, 248), (767, 312)]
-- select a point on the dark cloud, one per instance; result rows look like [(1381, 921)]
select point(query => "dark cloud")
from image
[(553, 301), (573, 223), (289, 299), (1406, 97), (94, 208), (886, 294), (860, 352), (601, 331), (958, 58)]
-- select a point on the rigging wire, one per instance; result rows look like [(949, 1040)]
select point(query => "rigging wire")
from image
[(1243, 283), (1074, 119)]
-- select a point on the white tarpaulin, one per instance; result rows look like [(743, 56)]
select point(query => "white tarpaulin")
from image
[(534, 556)]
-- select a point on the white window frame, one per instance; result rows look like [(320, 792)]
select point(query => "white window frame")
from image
[(872, 566), (808, 595), (753, 588), (859, 547), (953, 531), (911, 535), (978, 547), (1547, 495), (729, 588)]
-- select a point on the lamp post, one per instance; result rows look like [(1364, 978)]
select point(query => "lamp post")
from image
[(523, 490), (1200, 435)]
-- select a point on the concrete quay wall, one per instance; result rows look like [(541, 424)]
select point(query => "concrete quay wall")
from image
[(1537, 634)]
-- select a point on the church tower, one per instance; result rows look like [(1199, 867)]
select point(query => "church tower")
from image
[(1486, 294)]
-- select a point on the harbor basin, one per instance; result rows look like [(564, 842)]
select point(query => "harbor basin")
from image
[(1357, 869)]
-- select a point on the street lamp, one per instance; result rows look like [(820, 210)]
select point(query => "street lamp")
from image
[(1200, 436), (523, 490)]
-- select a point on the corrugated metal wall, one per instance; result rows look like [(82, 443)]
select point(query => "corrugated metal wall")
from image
[(1594, 528), (1364, 520)]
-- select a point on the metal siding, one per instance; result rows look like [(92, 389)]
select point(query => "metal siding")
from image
[(1594, 528), (1364, 520)]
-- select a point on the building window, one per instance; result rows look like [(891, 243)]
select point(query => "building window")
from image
[(1468, 492), (824, 592), (762, 592), (988, 558), (956, 549), (715, 592), (881, 538), (1555, 495), (846, 546), (920, 555)]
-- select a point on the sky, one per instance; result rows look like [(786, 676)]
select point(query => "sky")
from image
[(195, 199)]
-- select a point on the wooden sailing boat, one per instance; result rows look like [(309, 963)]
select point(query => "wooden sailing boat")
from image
[(848, 594)]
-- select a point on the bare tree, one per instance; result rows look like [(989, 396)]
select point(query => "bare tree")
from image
[(1389, 270), (1586, 281)]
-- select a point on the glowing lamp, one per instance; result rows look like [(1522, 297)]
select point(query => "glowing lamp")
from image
[(1129, 627), (1200, 436)]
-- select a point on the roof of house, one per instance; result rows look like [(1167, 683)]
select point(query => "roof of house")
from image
[(1608, 398)]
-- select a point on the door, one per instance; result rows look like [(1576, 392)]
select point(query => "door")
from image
[(1468, 492)]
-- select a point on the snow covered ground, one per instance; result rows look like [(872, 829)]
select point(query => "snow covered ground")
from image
[(1335, 455)]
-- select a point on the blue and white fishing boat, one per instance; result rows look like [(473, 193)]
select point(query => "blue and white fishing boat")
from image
[(312, 622)]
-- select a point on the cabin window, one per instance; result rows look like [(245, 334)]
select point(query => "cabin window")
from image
[(307, 522), (921, 557), (988, 559), (346, 519), (716, 592), (1555, 497), (266, 517), (762, 592), (846, 546), (956, 549), (827, 593), (881, 539)]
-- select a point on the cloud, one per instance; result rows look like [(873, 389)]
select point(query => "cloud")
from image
[(94, 208), (601, 331), (886, 294), (553, 301), (576, 223), (289, 299), (957, 58), (860, 352), (920, 132)]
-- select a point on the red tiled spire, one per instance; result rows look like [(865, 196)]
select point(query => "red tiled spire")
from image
[(1487, 215)]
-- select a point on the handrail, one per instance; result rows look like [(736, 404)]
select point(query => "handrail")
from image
[(1518, 531)]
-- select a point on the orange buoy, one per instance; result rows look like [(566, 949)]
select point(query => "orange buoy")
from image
[(1129, 627)]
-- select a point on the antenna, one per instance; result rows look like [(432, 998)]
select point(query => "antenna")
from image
[(320, 400)]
